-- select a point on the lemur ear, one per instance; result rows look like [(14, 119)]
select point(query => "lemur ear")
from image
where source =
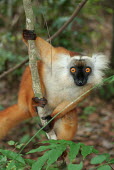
[(46, 50)]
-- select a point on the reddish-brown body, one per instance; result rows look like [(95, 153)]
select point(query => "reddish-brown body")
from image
[(66, 122)]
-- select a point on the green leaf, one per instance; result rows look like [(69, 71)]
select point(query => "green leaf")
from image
[(95, 151), (53, 144), (3, 159), (55, 154), (12, 155), (62, 141), (75, 166), (74, 150), (98, 159), (41, 161), (42, 148), (104, 167), (19, 146), (89, 110), (86, 150), (50, 156), (11, 142)]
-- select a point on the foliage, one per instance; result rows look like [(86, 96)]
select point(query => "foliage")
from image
[(107, 92), (53, 150), (89, 110), (85, 33)]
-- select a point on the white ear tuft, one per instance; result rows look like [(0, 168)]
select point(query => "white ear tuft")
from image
[(100, 63)]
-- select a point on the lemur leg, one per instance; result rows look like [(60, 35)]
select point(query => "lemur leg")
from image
[(66, 127)]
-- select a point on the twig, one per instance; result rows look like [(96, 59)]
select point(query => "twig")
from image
[(75, 13), (12, 69)]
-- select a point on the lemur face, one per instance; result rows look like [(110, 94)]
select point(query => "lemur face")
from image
[(80, 74), (80, 70)]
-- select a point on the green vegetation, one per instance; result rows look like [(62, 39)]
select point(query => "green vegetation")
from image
[(10, 160)]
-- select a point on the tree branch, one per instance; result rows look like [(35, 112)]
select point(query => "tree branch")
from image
[(5, 73), (75, 13), (33, 54)]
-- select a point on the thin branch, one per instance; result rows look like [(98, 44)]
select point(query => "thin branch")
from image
[(75, 13), (5, 73)]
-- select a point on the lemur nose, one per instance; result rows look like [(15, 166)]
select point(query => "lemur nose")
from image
[(80, 82)]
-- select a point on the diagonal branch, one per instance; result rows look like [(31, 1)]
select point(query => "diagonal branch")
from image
[(14, 68), (75, 13)]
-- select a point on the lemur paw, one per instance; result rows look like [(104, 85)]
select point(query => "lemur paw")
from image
[(49, 126), (48, 118), (29, 34), (39, 102)]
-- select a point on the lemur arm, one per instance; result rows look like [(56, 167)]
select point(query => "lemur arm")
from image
[(67, 106)]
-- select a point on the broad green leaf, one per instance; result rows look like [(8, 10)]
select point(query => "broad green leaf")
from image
[(86, 150), (50, 156), (98, 159), (74, 150), (42, 148), (75, 166), (11, 142), (41, 161), (104, 167), (12, 155), (55, 154)]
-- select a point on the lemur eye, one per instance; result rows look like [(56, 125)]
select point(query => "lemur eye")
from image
[(88, 70), (73, 70)]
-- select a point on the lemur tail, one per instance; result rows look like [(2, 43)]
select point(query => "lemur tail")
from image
[(10, 117)]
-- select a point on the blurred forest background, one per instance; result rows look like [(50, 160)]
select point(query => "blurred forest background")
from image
[(90, 32)]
